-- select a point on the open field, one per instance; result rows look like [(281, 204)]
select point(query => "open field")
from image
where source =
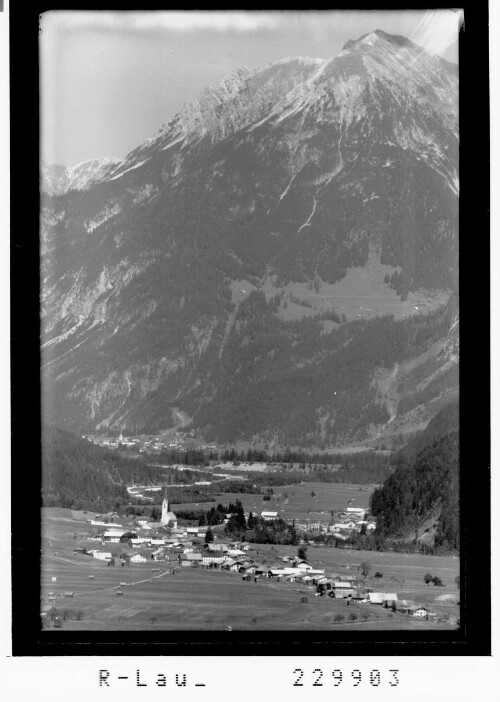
[(196, 598), (362, 293), (300, 504)]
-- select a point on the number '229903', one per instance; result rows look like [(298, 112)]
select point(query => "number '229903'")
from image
[(337, 677)]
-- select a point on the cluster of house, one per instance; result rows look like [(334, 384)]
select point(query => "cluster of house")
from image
[(180, 550), (350, 520), (153, 445)]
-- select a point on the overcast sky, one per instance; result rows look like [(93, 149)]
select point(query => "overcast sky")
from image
[(110, 80)]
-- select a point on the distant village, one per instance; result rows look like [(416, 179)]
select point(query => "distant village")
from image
[(175, 547), (150, 444)]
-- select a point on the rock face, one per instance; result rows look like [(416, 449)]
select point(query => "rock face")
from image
[(56, 180), (167, 278)]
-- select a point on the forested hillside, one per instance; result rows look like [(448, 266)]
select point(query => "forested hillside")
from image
[(425, 482), (78, 474)]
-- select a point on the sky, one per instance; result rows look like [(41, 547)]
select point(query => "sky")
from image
[(110, 80)]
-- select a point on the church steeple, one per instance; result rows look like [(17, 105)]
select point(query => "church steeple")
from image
[(165, 498), (167, 517)]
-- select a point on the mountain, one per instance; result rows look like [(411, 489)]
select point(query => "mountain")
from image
[(278, 262), (421, 497), (57, 180)]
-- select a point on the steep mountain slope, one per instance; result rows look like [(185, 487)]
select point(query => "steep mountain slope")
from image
[(424, 488), (302, 172), (57, 180)]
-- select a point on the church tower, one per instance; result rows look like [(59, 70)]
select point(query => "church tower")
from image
[(167, 518), (164, 507)]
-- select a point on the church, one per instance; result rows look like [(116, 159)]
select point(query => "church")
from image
[(167, 518)]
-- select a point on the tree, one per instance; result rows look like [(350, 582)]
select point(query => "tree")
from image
[(365, 568), (155, 514), (209, 536), (437, 581), (252, 521), (302, 553), (378, 574), (427, 578), (127, 536), (313, 494)]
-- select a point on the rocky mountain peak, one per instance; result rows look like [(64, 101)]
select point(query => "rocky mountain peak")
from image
[(225, 258), (377, 35)]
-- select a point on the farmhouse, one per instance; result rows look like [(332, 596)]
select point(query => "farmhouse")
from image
[(390, 598), (113, 533), (269, 516), (136, 543), (420, 612), (303, 565), (275, 572), (219, 547), (187, 559), (406, 607), (208, 559), (102, 555), (138, 558)]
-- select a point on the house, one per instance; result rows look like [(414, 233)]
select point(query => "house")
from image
[(137, 542), (376, 598), (235, 552), (283, 571), (390, 599), (138, 558), (208, 559), (303, 565), (420, 612), (269, 516), (341, 585), (113, 533), (188, 559), (102, 555), (359, 595), (406, 606), (219, 547)]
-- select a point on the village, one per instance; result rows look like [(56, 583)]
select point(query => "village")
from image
[(170, 549)]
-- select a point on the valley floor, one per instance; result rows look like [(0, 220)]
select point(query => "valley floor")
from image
[(154, 598)]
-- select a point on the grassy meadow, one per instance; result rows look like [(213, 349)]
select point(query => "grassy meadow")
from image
[(301, 505), (154, 598)]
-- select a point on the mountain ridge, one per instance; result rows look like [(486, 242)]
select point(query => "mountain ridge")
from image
[(298, 176)]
